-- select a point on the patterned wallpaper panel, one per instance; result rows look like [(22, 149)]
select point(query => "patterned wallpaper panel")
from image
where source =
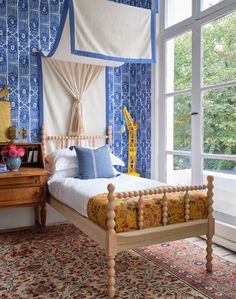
[(25, 25), (32, 24), (130, 85)]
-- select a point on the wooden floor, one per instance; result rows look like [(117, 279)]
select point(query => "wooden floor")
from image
[(219, 250)]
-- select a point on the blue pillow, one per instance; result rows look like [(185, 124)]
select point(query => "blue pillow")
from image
[(94, 163)]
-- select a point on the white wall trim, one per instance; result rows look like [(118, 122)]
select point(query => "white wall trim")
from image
[(224, 243), (226, 231), (225, 235)]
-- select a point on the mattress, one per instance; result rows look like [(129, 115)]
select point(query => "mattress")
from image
[(126, 210), (76, 193), (89, 198)]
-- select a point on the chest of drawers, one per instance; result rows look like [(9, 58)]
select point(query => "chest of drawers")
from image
[(23, 188)]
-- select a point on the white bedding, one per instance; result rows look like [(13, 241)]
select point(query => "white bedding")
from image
[(76, 193)]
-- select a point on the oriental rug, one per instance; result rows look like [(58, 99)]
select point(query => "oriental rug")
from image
[(63, 264)]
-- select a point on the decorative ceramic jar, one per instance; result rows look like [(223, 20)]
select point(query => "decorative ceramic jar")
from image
[(13, 163), (11, 155)]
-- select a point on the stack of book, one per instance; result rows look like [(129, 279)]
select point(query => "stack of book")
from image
[(32, 156), (3, 167)]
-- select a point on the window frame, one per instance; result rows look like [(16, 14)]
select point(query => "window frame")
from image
[(194, 23)]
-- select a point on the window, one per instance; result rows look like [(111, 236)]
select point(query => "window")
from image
[(197, 97), (208, 3), (219, 114), (179, 62), (218, 50), (179, 122), (183, 7), (178, 170)]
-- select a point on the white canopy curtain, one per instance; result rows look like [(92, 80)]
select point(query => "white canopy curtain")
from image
[(76, 78), (58, 101), (91, 35)]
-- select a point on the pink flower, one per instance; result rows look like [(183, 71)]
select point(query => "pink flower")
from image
[(13, 152), (5, 147), (12, 146), (4, 153), (21, 151)]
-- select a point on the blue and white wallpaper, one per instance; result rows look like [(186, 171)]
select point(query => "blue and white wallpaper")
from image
[(130, 86), (27, 25)]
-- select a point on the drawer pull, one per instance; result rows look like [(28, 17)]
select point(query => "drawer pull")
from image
[(36, 180), (38, 193)]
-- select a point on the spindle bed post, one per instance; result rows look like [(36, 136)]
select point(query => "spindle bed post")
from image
[(109, 133), (211, 224), (43, 133), (111, 240), (140, 210), (164, 208), (186, 205)]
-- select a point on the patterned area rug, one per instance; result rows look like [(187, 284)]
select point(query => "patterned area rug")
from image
[(65, 264)]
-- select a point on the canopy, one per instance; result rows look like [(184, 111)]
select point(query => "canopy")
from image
[(91, 35), (105, 33)]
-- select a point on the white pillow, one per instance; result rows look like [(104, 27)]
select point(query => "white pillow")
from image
[(61, 159), (65, 158), (116, 161), (115, 171), (70, 172)]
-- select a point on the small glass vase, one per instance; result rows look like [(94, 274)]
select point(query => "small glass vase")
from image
[(13, 163)]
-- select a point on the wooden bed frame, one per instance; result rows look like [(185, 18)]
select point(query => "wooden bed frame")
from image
[(114, 242)]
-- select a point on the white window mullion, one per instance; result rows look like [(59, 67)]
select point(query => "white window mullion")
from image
[(178, 29), (219, 157), (161, 98), (219, 85), (196, 105), (178, 93), (196, 4), (179, 153), (155, 108)]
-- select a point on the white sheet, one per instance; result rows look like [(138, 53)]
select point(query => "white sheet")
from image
[(76, 193)]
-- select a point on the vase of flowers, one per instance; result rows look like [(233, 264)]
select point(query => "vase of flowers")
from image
[(11, 155)]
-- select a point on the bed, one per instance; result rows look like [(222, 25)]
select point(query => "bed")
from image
[(115, 238)]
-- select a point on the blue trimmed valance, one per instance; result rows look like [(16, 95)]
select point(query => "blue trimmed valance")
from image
[(105, 33)]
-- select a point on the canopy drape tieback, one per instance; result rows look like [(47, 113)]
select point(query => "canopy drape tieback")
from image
[(76, 123)]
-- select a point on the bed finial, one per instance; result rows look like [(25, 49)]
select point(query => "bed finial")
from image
[(43, 133), (211, 224)]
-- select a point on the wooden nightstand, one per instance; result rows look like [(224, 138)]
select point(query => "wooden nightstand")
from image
[(23, 188)]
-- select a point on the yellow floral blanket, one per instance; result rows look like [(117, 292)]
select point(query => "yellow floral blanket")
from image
[(127, 210)]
